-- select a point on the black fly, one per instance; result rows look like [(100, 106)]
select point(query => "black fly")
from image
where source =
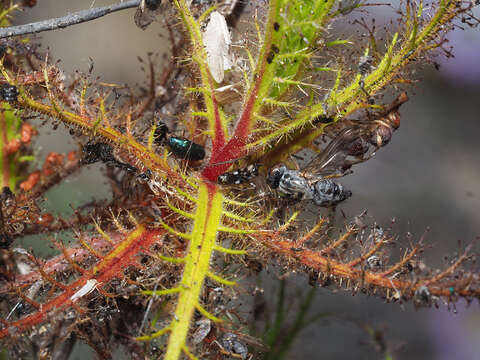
[(312, 182), (354, 140), (8, 93), (93, 152)]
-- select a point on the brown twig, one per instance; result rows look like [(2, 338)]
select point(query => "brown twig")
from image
[(68, 20)]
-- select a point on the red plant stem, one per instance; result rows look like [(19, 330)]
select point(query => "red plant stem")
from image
[(330, 267), (221, 158), (59, 264), (218, 141), (109, 267), (34, 77)]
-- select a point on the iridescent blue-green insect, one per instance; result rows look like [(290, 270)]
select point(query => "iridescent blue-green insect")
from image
[(179, 146)]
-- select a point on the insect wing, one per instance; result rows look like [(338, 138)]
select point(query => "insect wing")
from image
[(332, 159), (217, 42), (255, 342)]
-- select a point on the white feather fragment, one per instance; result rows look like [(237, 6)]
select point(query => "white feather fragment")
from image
[(217, 42), (86, 289)]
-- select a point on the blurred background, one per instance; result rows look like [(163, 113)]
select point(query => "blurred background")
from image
[(427, 177)]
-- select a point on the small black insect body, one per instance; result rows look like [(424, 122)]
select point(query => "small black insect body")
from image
[(160, 134), (239, 176), (293, 185), (93, 152), (422, 296), (355, 140), (7, 195), (8, 93), (322, 119), (179, 146), (144, 177), (231, 344), (365, 64)]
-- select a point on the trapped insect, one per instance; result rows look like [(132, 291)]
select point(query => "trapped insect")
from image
[(8, 93), (311, 183), (357, 137), (292, 184), (365, 64), (204, 326), (374, 263), (231, 345), (217, 41), (179, 146), (93, 152), (422, 296), (354, 140), (239, 176)]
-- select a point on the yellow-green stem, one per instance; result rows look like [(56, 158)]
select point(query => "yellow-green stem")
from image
[(197, 264)]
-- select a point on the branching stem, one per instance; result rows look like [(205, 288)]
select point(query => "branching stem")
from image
[(68, 20)]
